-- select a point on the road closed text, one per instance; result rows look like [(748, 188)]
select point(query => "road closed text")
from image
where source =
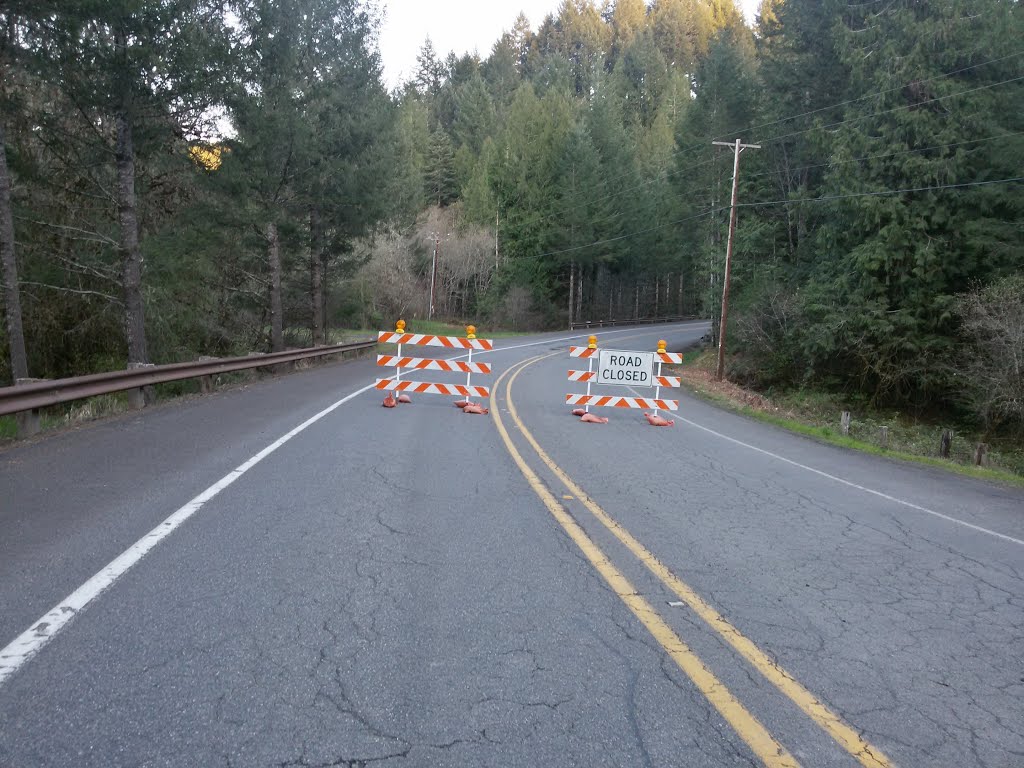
[(617, 367), (626, 371)]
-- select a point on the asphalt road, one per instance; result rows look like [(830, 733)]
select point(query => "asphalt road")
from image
[(421, 587)]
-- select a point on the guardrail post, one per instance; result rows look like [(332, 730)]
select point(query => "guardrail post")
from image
[(27, 421), (206, 385), (142, 396)]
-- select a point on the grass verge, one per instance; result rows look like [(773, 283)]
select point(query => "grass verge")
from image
[(816, 415)]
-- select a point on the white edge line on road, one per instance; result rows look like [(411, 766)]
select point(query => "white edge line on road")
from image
[(849, 483), (29, 642), (872, 491), (14, 655)]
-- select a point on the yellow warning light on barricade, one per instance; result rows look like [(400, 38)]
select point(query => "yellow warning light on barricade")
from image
[(661, 346), (470, 331), (400, 326), (592, 342)]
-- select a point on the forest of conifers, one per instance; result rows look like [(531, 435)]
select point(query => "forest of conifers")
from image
[(209, 177)]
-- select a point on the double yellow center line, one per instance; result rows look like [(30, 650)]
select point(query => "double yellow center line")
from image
[(767, 749)]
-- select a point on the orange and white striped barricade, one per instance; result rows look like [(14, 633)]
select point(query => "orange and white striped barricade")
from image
[(400, 362), (612, 401), (617, 367), (661, 357), (588, 375)]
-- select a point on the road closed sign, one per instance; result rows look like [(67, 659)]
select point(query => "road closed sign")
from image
[(618, 367)]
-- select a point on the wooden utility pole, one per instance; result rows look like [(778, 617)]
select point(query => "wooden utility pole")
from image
[(739, 147)]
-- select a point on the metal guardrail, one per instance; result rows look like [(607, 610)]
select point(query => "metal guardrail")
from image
[(637, 321), (40, 394)]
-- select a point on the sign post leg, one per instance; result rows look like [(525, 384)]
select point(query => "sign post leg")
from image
[(399, 329), (590, 369), (470, 334), (657, 390)]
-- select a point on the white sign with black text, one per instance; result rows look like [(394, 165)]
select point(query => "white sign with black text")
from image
[(619, 367)]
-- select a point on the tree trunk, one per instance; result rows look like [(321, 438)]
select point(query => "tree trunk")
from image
[(9, 263), (134, 317), (274, 260), (579, 293), (572, 293), (316, 294), (324, 291)]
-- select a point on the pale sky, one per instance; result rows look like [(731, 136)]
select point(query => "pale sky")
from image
[(459, 25)]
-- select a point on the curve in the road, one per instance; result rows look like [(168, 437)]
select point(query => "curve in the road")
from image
[(26, 645), (866, 754)]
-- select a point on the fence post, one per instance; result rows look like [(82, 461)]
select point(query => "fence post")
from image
[(981, 455), (27, 421), (883, 436), (945, 442), (845, 423)]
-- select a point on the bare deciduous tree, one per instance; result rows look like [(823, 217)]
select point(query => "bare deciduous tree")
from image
[(990, 366)]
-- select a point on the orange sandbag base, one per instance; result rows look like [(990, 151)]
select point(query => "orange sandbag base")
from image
[(658, 421)]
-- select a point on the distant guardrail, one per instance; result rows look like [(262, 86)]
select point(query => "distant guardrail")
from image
[(43, 393), (636, 321)]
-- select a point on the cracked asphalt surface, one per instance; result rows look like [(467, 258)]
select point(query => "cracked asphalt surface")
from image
[(387, 590)]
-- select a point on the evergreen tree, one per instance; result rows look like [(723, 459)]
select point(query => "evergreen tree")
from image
[(881, 304), (10, 22), (724, 98), (143, 68), (681, 30), (430, 72), (408, 190), (309, 111), (629, 20), (584, 40), (439, 173), (641, 78), (475, 119), (525, 181), (521, 42), (501, 75)]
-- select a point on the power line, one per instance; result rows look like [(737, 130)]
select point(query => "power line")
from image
[(752, 128), (826, 198), (660, 176), (878, 93), (618, 214), (832, 163), (633, 234), (894, 109), (696, 147)]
